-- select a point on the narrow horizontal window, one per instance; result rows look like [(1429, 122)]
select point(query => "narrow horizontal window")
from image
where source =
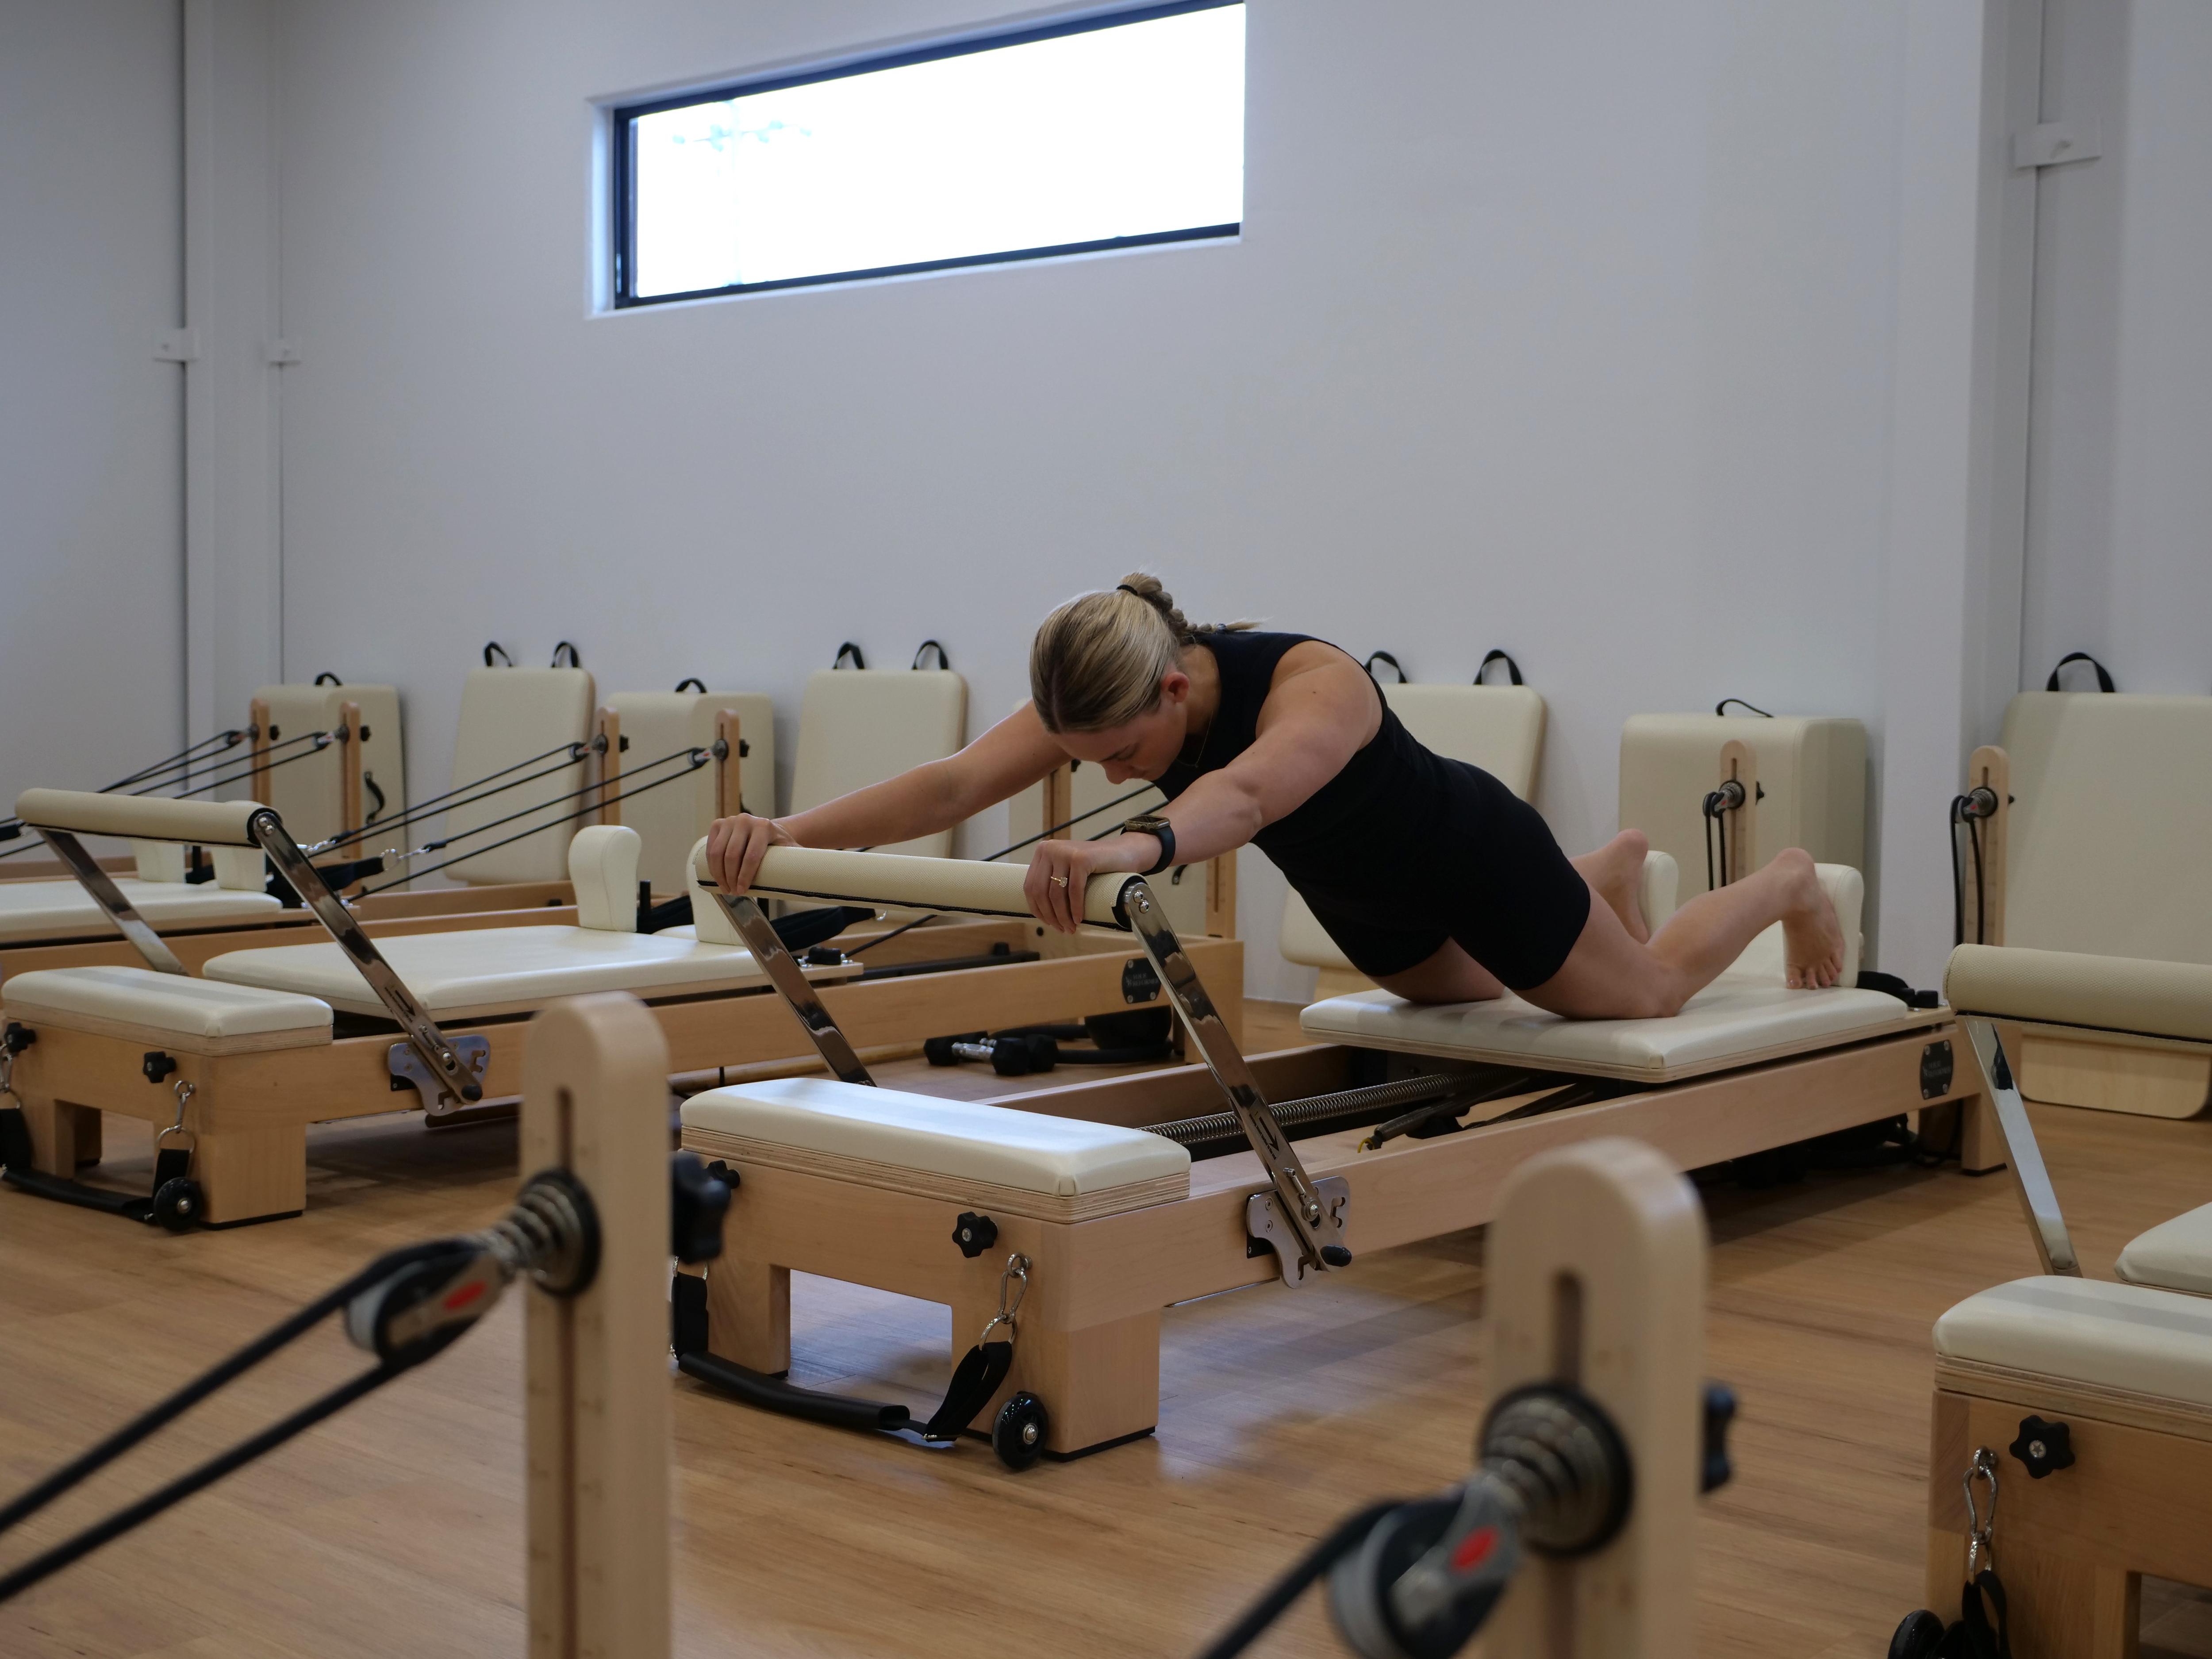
[(1112, 132)]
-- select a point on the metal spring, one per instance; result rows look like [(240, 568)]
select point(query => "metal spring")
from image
[(1195, 1132), (1566, 1473), (547, 1235)]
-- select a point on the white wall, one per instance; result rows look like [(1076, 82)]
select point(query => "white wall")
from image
[(91, 432), (2119, 561), (1565, 329)]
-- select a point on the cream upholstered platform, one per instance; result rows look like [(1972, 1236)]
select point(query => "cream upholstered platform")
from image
[(197, 1015), (500, 970), (2126, 1338), (1745, 1017), (47, 909), (2174, 1255), (860, 726), (1055, 1169)]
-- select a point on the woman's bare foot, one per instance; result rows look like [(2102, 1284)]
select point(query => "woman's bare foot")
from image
[(1615, 873), (1812, 938)]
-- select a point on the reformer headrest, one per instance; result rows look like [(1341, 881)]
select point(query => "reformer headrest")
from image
[(143, 817), (969, 886)]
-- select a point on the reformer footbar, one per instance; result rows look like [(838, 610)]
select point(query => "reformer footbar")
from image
[(447, 1071), (1301, 1219)]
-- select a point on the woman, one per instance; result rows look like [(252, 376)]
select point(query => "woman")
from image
[(1432, 877)]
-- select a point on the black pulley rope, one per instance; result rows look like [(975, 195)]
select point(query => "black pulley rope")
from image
[(576, 753), (697, 758)]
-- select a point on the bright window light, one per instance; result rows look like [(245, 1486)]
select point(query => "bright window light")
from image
[(1112, 132)]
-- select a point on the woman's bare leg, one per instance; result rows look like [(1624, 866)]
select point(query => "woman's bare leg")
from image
[(1449, 976), (1610, 975), (1615, 873)]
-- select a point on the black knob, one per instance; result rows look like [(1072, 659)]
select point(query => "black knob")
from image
[(157, 1065), (1720, 1412), (974, 1233), (698, 1199), (2045, 1448)]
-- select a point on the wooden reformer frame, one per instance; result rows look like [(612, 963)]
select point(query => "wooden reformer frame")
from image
[(247, 1103), (1091, 1333)]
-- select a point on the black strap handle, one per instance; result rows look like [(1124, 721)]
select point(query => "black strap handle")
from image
[(849, 649), (1513, 668), (495, 645), (927, 647), (1722, 707), (692, 683), (1384, 656), (328, 679), (575, 657), (2104, 675)]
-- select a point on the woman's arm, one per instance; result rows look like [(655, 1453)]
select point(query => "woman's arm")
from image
[(1321, 711), (1006, 760)]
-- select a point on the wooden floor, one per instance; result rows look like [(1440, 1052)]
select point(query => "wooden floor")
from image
[(396, 1529)]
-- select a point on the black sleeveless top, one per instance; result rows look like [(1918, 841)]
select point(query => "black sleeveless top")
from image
[(1370, 838)]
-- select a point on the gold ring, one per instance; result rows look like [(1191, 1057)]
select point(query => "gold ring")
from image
[(1059, 881)]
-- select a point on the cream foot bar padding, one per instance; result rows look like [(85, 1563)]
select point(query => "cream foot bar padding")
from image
[(1059, 1168), (169, 1010), (52, 909), (1745, 1017), (2174, 1255), (969, 886), (2085, 1331), (496, 970), (146, 817), (2111, 993)]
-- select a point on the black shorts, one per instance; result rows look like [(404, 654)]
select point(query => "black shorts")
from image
[(1499, 887)]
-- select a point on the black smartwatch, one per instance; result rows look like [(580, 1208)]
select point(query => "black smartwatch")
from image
[(1153, 824)]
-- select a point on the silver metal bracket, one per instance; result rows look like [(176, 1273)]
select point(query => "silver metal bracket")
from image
[(1265, 1227), (106, 894), (798, 992), (2038, 1198), (1311, 1229), (439, 1053), (411, 1069)]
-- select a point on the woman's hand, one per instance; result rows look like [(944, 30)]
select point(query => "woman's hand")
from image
[(734, 847), (1060, 870)]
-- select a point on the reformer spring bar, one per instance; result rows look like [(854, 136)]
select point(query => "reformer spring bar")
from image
[(1300, 1217)]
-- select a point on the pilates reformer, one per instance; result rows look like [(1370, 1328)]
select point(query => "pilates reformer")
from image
[(592, 1228), (2085, 1405), (1572, 1533), (1095, 1186), (232, 1066)]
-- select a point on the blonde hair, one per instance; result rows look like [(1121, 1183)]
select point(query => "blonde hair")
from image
[(1096, 661)]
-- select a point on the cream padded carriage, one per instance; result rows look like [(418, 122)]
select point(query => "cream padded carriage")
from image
[(1745, 1017), (52, 911), (860, 726), (1499, 728)]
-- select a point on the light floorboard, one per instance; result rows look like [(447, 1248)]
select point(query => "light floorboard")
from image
[(398, 1529)]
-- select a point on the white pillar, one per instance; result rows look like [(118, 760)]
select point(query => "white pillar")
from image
[(1951, 579), (233, 575)]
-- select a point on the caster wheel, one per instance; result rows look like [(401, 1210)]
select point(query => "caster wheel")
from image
[(1017, 1432), (178, 1204), (1917, 1638)]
